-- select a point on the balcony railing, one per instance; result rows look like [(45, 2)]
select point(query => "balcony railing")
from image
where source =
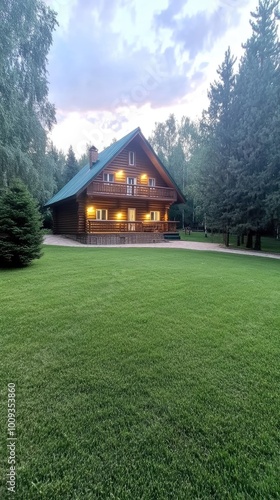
[(111, 226), (136, 190)]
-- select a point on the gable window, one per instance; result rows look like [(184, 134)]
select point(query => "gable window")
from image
[(155, 215), (152, 182), (108, 177), (131, 158), (101, 214)]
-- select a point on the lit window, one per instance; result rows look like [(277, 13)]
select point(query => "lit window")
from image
[(102, 214), (108, 177), (131, 158), (155, 216), (152, 182)]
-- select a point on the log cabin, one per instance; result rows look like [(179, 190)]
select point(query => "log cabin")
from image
[(121, 196)]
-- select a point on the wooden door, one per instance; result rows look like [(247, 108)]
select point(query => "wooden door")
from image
[(131, 216)]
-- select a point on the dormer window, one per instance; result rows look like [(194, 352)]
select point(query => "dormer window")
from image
[(131, 158), (108, 177)]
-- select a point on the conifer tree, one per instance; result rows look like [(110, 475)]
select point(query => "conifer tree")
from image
[(20, 227), (71, 167), (216, 176), (255, 114)]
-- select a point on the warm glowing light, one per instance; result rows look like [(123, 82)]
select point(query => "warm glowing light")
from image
[(119, 173), (144, 176), (90, 210), (119, 215), (147, 216)]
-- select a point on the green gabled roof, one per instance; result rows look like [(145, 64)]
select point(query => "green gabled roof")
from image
[(87, 174)]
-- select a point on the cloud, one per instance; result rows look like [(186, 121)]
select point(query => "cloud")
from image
[(103, 62), (199, 32), (93, 66)]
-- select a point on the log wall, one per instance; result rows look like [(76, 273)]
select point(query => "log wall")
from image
[(142, 170), (65, 218)]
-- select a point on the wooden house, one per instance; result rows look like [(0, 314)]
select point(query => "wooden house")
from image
[(121, 196)]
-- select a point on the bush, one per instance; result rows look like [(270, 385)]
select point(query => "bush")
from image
[(20, 227)]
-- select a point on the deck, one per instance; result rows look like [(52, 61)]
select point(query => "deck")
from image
[(131, 190), (109, 226)]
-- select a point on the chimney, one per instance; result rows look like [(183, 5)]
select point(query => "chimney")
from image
[(93, 155)]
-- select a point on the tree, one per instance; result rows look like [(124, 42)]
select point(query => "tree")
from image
[(20, 227), (25, 112), (174, 141), (255, 116), (84, 159), (71, 166), (166, 141), (216, 130), (56, 164)]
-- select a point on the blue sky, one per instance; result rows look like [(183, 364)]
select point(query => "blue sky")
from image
[(118, 64)]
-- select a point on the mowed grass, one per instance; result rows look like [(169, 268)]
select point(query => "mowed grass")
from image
[(271, 245), (142, 374)]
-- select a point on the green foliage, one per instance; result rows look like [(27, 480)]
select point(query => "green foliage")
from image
[(229, 166), (237, 155), (174, 142), (71, 166), (56, 161), (255, 115), (20, 227), (216, 131), (25, 112)]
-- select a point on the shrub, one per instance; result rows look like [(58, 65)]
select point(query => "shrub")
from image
[(20, 227)]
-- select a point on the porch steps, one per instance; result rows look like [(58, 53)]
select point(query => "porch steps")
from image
[(171, 236)]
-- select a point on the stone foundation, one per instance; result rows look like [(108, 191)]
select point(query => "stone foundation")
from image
[(118, 238)]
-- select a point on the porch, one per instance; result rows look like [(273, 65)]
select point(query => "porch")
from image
[(112, 226)]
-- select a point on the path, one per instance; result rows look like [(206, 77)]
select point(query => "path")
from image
[(57, 240)]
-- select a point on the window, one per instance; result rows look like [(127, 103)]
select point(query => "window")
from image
[(108, 177), (101, 214), (152, 182), (155, 215), (131, 158), (131, 181)]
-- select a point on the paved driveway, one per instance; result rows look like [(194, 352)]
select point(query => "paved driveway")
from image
[(184, 245)]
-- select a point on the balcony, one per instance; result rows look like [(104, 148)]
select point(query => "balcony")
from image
[(111, 226), (131, 190)]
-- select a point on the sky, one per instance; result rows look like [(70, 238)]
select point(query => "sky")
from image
[(118, 64)]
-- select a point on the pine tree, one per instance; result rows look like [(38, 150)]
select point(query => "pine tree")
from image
[(256, 106), (20, 227), (216, 177), (71, 167)]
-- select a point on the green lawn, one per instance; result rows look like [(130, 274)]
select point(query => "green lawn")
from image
[(142, 374), (268, 244)]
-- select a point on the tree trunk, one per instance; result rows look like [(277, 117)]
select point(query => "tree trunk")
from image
[(226, 239), (242, 239), (238, 240), (249, 243), (258, 241)]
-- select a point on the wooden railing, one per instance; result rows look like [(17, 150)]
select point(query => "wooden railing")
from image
[(111, 226), (139, 191)]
